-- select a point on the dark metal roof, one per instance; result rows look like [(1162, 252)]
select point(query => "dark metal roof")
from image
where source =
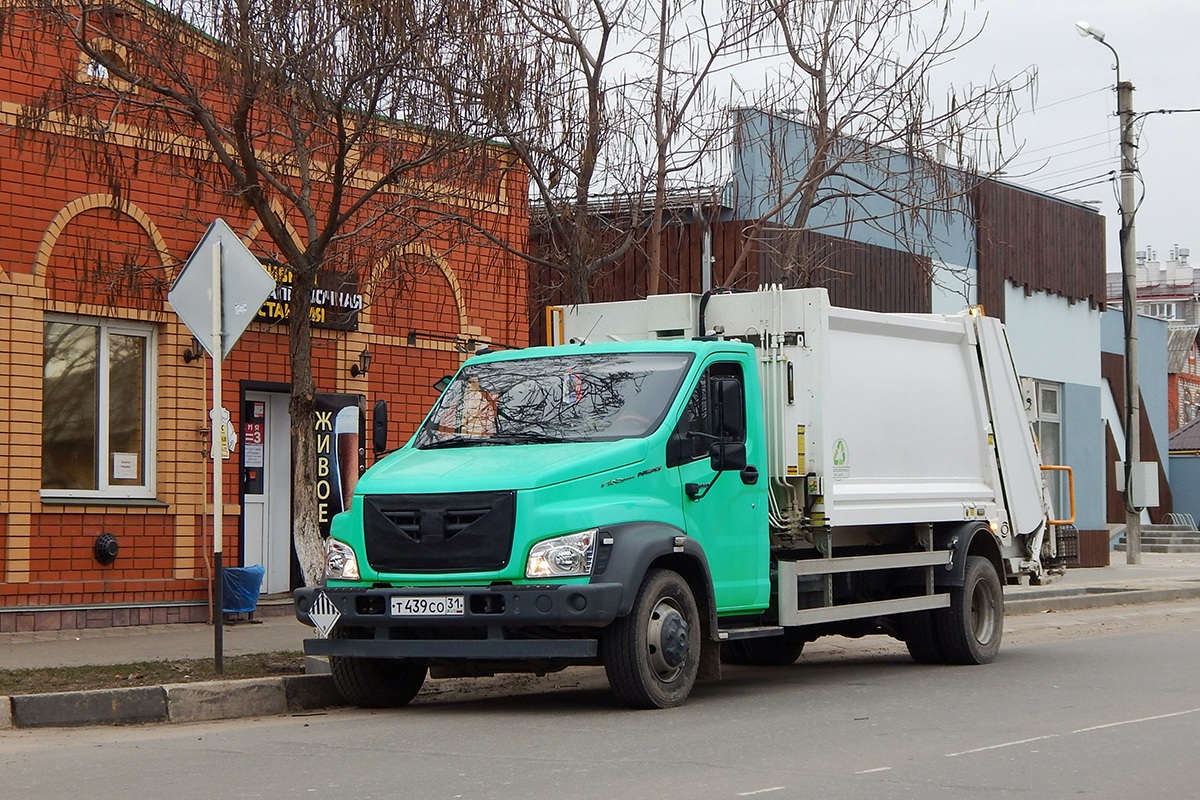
[(1186, 438)]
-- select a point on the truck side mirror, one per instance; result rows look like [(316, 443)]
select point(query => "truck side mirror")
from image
[(725, 456), (730, 408), (441, 383), (379, 431)]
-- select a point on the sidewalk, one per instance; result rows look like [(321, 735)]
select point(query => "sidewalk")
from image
[(73, 648), (1159, 578)]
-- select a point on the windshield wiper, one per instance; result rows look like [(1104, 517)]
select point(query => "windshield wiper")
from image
[(492, 441), (455, 441), (527, 438)]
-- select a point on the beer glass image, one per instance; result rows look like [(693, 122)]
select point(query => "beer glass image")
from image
[(345, 458)]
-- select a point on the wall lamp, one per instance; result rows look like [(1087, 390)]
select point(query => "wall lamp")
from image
[(193, 353), (363, 365)]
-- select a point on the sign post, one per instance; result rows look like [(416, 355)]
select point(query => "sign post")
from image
[(216, 294)]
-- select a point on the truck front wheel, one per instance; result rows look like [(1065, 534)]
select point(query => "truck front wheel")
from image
[(652, 655), (969, 630), (376, 682)]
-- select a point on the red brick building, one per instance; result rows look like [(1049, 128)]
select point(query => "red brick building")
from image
[(103, 407)]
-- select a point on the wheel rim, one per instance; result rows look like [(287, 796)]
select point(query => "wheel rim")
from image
[(667, 640), (983, 613)]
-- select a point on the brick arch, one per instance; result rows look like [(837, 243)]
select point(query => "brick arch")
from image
[(256, 227), (41, 259), (427, 253)]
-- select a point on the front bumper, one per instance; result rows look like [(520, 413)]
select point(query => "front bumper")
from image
[(489, 628)]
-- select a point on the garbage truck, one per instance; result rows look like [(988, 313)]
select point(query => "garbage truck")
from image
[(689, 480)]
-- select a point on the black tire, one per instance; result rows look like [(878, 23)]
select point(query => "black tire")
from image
[(920, 636), (652, 655), (969, 631), (376, 682), (773, 651)]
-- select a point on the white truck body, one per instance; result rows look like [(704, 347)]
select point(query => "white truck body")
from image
[(879, 419)]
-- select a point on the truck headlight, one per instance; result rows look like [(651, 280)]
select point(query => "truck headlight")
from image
[(340, 561), (563, 555)]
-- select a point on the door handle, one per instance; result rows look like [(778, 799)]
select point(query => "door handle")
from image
[(749, 474)]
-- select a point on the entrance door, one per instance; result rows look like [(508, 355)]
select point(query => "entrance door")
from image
[(266, 487)]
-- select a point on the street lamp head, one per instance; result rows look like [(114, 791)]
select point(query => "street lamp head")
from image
[(1084, 29)]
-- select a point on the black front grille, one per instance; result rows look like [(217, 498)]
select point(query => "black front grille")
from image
[(407, 522), (439, 532)]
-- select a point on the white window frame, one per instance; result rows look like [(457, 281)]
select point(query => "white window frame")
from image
[(104, 490), (1046, 417)]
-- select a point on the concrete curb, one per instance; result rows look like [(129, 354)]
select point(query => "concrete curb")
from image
[(180, 702), (1095, 597), (95, 707)]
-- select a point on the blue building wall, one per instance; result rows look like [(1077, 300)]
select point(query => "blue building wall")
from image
[(871, 202), (1185, 479), (1059, 342)]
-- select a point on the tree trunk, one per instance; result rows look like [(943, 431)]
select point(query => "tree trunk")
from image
[(306, 530)]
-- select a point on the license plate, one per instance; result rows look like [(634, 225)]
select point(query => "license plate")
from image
[(428, 606)]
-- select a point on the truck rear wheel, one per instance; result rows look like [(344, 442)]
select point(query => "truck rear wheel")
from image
[(376, 682), (969, 631), (652, 655)]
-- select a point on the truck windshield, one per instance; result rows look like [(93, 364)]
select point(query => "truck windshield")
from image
[(577, 398)]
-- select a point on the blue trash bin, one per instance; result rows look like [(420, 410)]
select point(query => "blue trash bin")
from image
[(241, 586)]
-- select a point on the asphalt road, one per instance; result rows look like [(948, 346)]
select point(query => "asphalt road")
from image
[(1100, 704)]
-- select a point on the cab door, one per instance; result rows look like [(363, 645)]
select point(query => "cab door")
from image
[(725, 510)]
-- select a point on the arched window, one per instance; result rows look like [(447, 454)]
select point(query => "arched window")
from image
[(92, 70)]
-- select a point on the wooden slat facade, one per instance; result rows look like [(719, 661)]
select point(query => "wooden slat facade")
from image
[(857, 275), (1034, 241), (1039, 244)]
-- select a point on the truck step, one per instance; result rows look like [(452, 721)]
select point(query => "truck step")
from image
[(755, 632)]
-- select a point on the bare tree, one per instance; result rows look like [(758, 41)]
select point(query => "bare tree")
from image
[(627, 111), (566, 137), (690, 45), (860, 81), (338, 123)]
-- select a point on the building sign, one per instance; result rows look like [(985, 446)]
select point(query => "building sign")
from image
[(339, 430), (336, 301)]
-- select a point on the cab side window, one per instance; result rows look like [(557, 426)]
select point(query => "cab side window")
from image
[(701, 424)]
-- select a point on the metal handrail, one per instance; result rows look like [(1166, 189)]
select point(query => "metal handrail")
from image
[(1070, 490), (555, 324), (1181, 518)]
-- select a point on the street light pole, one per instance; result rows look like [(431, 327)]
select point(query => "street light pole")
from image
[(1129, 308), (1133, 404)]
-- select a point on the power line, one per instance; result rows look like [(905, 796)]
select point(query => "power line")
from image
[(1083, 183)]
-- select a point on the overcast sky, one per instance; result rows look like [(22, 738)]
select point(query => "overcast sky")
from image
[(1070, 135)]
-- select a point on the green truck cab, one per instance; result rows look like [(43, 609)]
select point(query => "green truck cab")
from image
[(558, 506)]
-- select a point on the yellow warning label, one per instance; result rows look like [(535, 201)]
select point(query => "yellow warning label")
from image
[(800, 446)]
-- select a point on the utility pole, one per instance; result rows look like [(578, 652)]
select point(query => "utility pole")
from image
[(1133, 491), (1133, 405)]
